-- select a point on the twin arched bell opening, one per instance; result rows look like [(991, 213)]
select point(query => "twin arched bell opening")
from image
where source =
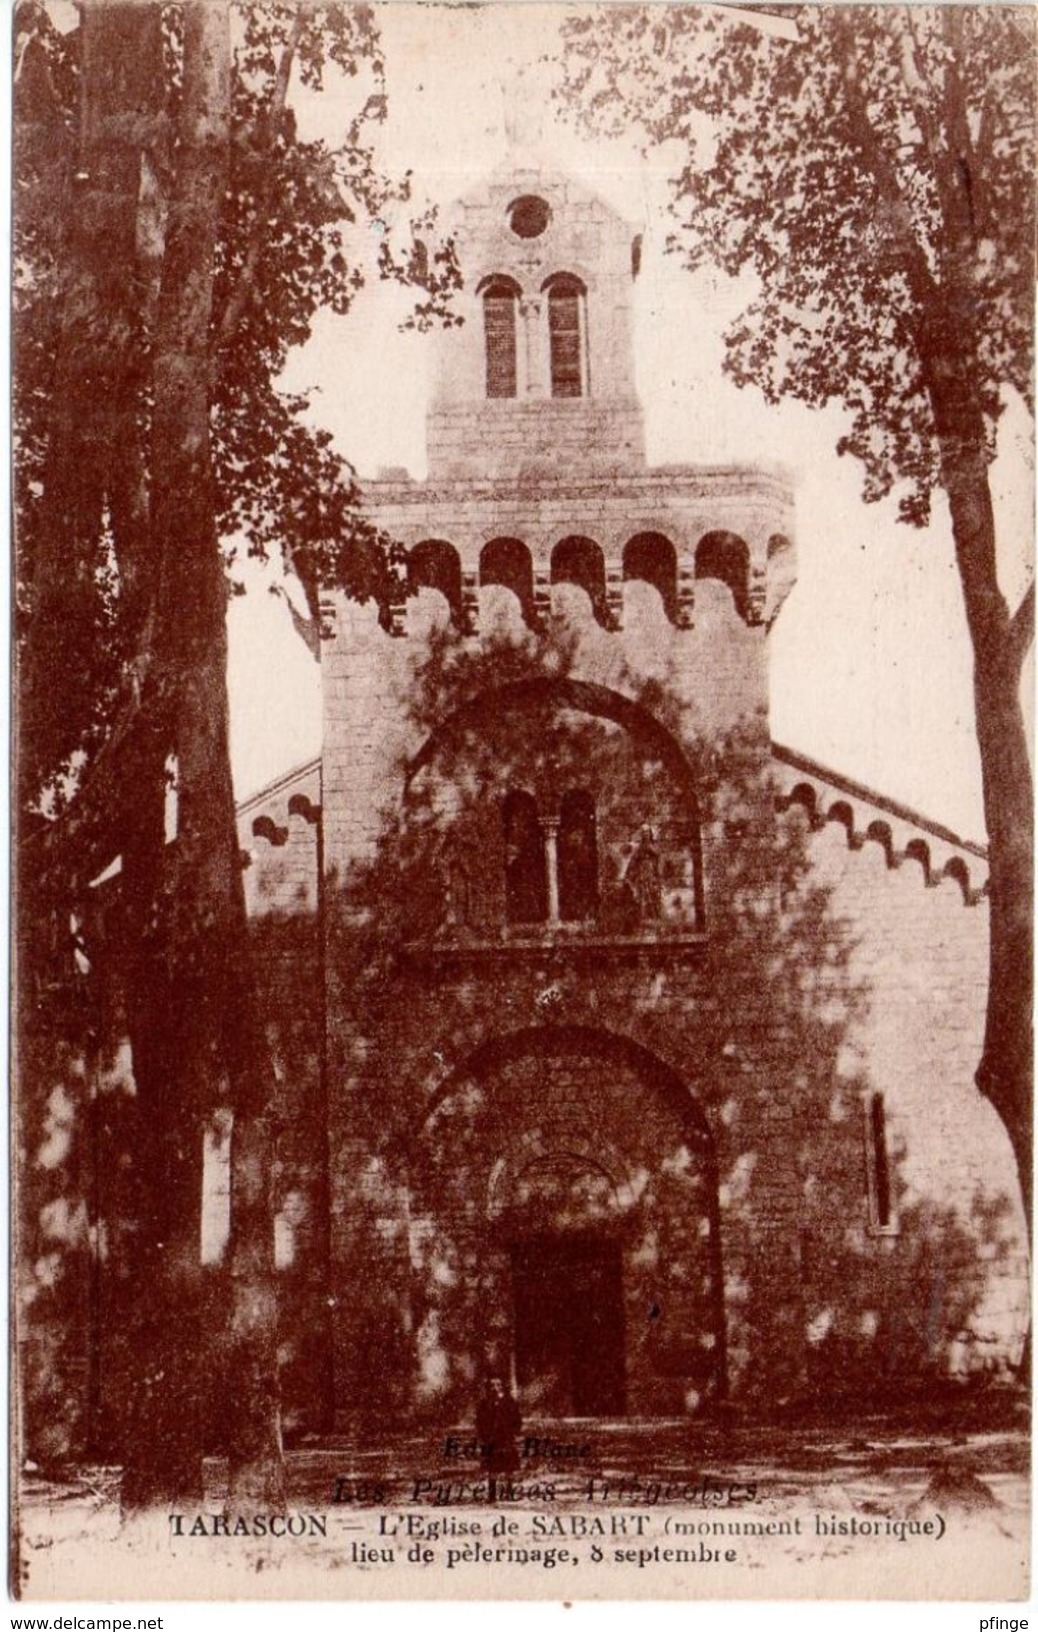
[(557, 320)]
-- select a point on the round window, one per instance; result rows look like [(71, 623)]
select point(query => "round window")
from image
[(529, 216)]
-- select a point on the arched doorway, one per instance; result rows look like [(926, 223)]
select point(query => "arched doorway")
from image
[(569, 1355), (562, 1213), (564, 1190)]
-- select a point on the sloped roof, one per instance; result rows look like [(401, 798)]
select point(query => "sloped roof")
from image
[(303, 778), (826, 796), (902, 833)]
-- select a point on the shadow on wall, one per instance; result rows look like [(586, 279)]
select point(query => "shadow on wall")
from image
[(668, 1093), (775, 1273), (920, 1295), (79, 1202)]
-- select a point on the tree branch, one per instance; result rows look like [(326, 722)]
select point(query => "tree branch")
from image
[(271, 129), (948, 142), (1021, 625), (968, 215), (84, 839), (308, 629), (883, 170), (86, 836), (913, 75)]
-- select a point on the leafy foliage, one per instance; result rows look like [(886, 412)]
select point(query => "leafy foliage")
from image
[(876, 174), (876, 165), (292, 242), (489, 1029)]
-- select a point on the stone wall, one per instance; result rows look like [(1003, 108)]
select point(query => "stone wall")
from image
[(830, 968), (469, 434), (821, 979), (920, 942), (754, 1095)]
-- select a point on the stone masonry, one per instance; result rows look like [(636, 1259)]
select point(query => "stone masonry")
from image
[(648, 1047)]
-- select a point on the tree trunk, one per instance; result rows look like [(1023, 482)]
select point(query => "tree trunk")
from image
[(1000, 644), (252, 1403), (93, 465), (217, 1050), (183, 933), (93, 440), (1006, 1071), (162, 1431)]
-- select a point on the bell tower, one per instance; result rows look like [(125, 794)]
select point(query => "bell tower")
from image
[(540, 377), (548, 1014), (539, 501)]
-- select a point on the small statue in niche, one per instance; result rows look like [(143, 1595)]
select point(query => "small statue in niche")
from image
[(641, 877)]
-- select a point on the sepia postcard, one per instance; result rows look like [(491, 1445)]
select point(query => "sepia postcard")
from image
[(523, 872)]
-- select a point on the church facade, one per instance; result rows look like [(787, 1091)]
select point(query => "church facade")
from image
[(624, 1053)]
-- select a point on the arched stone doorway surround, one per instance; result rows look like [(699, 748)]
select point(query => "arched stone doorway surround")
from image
[(564, 1227)]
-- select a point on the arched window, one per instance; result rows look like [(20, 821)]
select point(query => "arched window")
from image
[(578, 857), (508, 561), (653, 558), (727, 558), (580, 561), (435, 564), (526, 869), (566, 337), (500, 296)]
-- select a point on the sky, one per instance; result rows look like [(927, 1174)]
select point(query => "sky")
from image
[(870, 665)]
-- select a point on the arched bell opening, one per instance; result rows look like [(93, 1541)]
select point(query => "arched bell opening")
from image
[(435, 564), (652, 558), (567, 335), (508, 562), (725, 558), (500, 299)]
